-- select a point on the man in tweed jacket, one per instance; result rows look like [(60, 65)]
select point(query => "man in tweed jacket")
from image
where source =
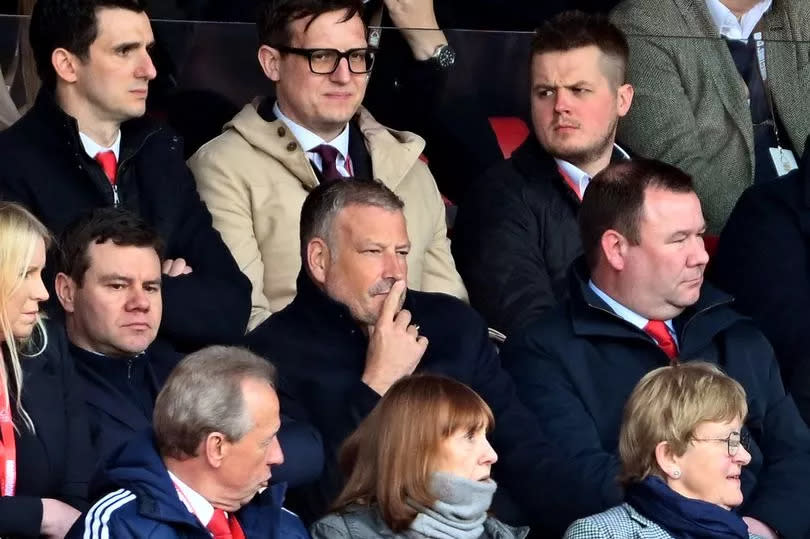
[(691, 105)]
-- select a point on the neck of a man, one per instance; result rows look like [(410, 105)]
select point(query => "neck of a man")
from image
[(739, 7), (595, 166), (192, 472), (626, 294), (327, 132), (102, 132)]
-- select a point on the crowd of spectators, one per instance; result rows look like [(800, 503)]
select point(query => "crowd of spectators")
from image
[(352, 312)]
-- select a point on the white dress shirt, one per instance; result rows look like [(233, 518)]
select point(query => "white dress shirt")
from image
[(579, 176), (194, 502), (730, 26), (92, 148), (626, 314), (309, 140)]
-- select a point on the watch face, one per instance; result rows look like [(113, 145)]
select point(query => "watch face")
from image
[(447, 57)]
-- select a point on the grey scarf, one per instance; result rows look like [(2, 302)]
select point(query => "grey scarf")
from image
[(460, 509)]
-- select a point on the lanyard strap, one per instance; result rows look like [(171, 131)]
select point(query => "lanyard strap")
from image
[(763, 71), (8, 447)]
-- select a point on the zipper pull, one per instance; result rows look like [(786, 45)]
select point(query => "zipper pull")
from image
[(129, 369), (116, 200)]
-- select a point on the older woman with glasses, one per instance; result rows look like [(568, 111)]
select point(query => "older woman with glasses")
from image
[(419, 467), (682, 450)]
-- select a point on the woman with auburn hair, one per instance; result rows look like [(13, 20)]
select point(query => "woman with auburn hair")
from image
[(682, 449), (419, 466), (44, 440)]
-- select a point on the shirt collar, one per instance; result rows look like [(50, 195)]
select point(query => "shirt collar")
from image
[(308, 140), (579, 176), (194, 502), (92, 147), (727, 23), (625, 313)]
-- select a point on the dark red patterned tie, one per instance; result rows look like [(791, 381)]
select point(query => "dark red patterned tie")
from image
[(329, 155)]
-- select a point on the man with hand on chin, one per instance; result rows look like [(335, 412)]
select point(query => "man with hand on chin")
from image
[(206, 470), (354, 329)]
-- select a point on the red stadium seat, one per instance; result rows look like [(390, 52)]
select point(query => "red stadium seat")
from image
[(510, 131)]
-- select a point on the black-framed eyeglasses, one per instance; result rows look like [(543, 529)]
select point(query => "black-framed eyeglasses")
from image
[(734, 441), (325, 61)]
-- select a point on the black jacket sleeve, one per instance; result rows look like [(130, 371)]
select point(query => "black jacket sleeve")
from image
[(497, 251), (548, 486), (557, 409), (22, 515), (763, 260), (212, 304), (781, 496)]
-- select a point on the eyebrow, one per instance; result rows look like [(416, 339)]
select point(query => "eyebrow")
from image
[(129, 280)]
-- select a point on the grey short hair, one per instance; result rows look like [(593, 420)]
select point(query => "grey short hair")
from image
[(327, 200), (203, 395)]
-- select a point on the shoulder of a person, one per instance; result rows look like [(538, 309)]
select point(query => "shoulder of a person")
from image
[(618, 521), (496, 529), (451, 310), (358, 522)]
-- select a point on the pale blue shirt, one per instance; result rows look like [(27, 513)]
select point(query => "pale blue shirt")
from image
[(309, 140), (626, 314), (92, 147), (579, 176), (730, 26)]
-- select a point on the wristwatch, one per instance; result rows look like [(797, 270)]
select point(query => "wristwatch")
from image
[(443, 56)]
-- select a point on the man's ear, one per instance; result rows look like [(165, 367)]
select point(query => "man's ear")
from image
[(66, 64), (318, 259), (624, 99), (269, 59), (216, 447), (65, 291), (614, 248)]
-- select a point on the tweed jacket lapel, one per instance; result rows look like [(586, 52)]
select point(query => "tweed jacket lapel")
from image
[(726, 78)]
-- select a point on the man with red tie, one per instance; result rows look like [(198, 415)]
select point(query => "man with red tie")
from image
[(205, 472), (516, 233), (85, 144), (638, 302)]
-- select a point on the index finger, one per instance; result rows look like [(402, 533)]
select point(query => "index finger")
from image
[(392, 301)]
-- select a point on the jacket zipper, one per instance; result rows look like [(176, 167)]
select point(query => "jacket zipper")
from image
[(116, 196), (129, 369), (686, 325)]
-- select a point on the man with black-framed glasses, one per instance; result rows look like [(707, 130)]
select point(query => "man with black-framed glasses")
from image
[(255, 176)]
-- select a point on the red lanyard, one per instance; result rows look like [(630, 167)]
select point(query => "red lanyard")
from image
[(8, 447), (573, 185)]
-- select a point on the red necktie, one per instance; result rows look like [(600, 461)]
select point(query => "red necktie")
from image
[(108, 163), (659, 331), (329, 155), (224, 527)]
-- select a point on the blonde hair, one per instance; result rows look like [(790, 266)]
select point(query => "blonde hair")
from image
[(391, 456), (19, 232), (667, 405)]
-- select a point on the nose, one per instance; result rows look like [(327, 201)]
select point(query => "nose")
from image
[(395, 267), (146, 67), (40, 292), (342, 74), (699, 257), (275, 455), (743, 457), (561, 101), (138, 300), (489, 455)]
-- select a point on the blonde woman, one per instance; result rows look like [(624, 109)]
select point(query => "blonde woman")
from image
[(682, 448), (45, 458), (419, 467)]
